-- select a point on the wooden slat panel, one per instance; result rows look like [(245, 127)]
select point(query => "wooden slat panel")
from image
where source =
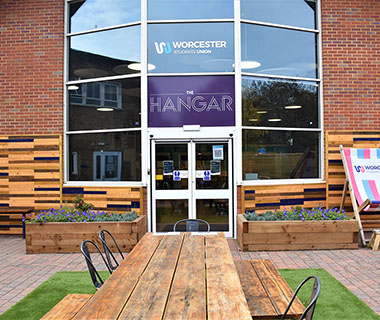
[(300, 246), (225, 296), (68, 307), (187, 298), (110, 299), (298, 238), (150, 304), (297, 227)]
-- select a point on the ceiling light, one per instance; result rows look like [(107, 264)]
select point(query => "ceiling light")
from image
[(275, 120), (104, 109), (72, 87), (293, 107), (253, 120), (137, 66), (262, 111), (250, 64)]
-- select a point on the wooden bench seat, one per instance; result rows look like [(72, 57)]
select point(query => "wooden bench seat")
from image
[(68, 307), (266, 291)]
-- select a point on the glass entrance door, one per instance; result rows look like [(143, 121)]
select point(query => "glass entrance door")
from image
[(192, 179)]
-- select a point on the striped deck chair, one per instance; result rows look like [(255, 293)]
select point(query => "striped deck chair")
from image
[(362, 168)]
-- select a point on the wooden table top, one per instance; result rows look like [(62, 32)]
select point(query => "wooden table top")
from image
[(179, 276)]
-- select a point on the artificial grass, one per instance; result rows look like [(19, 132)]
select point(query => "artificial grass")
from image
[(37, 303), (335, 300)]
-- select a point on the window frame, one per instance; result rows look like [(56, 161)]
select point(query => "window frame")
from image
[(318, 80), (67, 155)]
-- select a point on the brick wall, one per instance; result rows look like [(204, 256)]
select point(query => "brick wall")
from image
[(31, 66), (351, 64)]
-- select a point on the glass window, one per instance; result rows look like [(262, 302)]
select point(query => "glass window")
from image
[(274, 154), (194, 9), (112, 156), (191, 47), (171, 157), (102, 54), (94, 14), (297, 13), (205, 160), (279, 51), (279, 103), (105, 105)]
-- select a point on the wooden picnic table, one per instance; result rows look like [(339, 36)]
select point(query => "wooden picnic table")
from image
[(178, 276)]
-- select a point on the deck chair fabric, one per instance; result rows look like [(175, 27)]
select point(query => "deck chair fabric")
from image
[(362, 168)]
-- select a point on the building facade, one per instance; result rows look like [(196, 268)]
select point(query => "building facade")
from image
[(184, 109)]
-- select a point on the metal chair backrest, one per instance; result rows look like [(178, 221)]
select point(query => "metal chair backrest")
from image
[(192, 225), (109, 255), (309, 311), (95, 277)]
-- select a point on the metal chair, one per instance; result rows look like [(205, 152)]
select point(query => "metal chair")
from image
[(107, 250), (309, 311), (192, 224), (95, 277)]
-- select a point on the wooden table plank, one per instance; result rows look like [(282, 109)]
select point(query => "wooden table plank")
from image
[(225, 296), (148, 299), (258, 301), (108, 302), (187, 298), (275, 285), (67, 307), (297, 307)]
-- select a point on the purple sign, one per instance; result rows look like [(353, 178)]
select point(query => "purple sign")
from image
[(191, 100)]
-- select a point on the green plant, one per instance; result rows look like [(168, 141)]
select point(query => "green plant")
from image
[(68, 214), (129, 216), (81, 205), (298, 213)]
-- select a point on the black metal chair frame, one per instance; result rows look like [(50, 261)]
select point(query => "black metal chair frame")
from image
[(309, 311), (107, 249), (95, 277), (190, 222)]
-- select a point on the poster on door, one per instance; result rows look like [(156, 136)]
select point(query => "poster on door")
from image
[(168, 167), (215, 167), (217, 152)]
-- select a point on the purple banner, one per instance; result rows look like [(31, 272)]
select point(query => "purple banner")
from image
[(191, 100)]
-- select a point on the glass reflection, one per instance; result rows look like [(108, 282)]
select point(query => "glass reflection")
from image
[(170, 158), (215, 212), (297, 13), (168, 212), (94, 14), (279, 51), (191, 47), (185, 9), (219, 168), (105, 105), (105, 156), (280, 154), (279, 103), (107, 53)]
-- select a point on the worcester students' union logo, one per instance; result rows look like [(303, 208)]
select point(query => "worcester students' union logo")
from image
[(359, 168), (163, 47)]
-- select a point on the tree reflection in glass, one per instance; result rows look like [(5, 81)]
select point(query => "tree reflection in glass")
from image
[(279, 103)]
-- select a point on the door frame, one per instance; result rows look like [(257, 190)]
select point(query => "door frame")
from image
[(219, 134)]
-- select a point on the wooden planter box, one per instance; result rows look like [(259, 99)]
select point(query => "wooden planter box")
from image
[(296, 235), (66, 237)]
